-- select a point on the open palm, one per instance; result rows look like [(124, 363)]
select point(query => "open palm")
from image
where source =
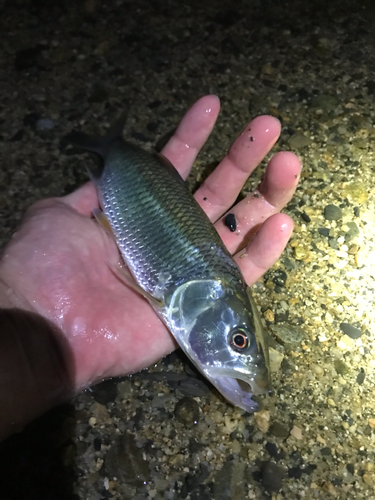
[(57, 261)]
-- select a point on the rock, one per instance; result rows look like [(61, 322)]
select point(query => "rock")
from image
[(44, 124), (290, 336), (368, 479), (187, 412), (296, 432), (276, 359), (230, 221), (353, 231), (193, 387), (326, 103), (324, 231), (350, 330), (262, 420), (356, 192), (278, 429), (272, 477), (305, 217), (124, 460), (105, 392), (229, 481), (340, 367), (99, 94), (299, 141), (326, 452), (361, 377), (317, 369), (332, 212), (279, 277)]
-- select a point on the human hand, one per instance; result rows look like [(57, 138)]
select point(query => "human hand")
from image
[(56, 264)]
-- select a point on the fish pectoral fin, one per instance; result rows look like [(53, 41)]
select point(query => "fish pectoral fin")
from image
[(102, 220), (124, 275)]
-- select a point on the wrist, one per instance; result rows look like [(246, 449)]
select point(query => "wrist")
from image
[(36, 371)]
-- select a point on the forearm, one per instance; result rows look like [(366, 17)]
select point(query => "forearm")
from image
[(36, 371)]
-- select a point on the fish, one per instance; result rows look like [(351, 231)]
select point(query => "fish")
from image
[(175, 258)]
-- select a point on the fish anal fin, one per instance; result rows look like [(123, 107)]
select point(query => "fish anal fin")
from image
[(125, 277)]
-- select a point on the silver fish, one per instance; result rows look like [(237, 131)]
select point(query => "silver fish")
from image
[(181, 266)]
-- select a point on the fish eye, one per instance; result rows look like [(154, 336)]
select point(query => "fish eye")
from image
[(239, 340)]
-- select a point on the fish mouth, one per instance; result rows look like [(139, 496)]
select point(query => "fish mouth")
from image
[(239, 391)]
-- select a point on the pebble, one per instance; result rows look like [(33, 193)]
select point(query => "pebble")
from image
[(305, 217), (299, 140), (350, 330), (368, 479), (276, 359), (124, 460), (279, 277), (296, 432), (317, 369), (361, 377), (105, 392), (262, 420), (353, 231), (324, 231), (44, 124), (345, 343), (332, 212), (301, 252), (340, 367), (290, 336), (187, 412), (272, 477), (269, 316), (193, 387), (327, 103), (356, 192), (222, 485), (230, 221), (278, 429)]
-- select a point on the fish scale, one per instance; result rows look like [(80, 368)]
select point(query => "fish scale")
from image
[(159, 228)]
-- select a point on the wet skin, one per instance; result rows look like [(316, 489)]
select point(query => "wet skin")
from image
[(55, 265)]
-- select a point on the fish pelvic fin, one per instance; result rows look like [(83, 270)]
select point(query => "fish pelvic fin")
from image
[(125, 277)]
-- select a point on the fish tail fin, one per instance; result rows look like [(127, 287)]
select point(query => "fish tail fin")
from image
[(97, 144)]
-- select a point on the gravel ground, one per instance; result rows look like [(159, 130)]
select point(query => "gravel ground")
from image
[(164, 433)]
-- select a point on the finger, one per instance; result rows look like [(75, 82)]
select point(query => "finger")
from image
[(83, 200), (192, 133), (273, 193), (220, 190), (281, 179), (265, 248)]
